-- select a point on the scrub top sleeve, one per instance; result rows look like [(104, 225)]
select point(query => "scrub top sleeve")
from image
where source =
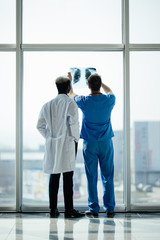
[(112, 99), (80, 100)]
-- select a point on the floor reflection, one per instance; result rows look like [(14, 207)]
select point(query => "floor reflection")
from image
[(41, 226), (109, 228), (93, 229)]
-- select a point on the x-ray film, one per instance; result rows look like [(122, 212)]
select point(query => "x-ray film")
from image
[(80, 76)]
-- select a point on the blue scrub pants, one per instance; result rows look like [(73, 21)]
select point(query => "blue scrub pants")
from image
[(102, 152)]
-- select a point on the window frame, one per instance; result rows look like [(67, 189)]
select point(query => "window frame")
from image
[(126, 48)]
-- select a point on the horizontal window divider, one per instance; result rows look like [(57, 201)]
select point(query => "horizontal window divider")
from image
[(7, 209), (146, 208), (7, 47), (72, 47), (144, 47), (80, 47)]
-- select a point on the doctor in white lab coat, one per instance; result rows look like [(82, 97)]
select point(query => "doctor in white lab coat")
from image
[(58, 124)]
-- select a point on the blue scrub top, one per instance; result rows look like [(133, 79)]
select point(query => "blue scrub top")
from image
[(96, 124)]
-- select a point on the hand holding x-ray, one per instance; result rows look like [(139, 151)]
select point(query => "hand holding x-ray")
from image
[(70, 76), (79, 76)]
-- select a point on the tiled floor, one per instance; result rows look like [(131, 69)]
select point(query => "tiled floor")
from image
[(38, 226)]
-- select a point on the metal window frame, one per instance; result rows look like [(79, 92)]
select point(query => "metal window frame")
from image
[(144, 47), (7, 47), (126, 48), (19, 106), (73, 47), (126, 119)]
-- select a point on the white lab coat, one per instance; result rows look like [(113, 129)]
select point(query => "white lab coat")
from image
[(58, 124)]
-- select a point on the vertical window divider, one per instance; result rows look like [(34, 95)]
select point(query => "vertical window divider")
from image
[(126, 71), (19, 88)]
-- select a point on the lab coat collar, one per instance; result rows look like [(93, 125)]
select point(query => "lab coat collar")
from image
[(61, 95)]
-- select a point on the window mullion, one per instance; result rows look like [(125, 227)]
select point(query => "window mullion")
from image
[(126, 70), (19, 70)]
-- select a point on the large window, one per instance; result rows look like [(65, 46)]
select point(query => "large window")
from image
[(144, 21), (7, 21), (70, 21), (40, 72), (7, 129), (145, 128), (43, 39)]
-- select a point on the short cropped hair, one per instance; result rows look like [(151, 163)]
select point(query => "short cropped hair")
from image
[(95, 82), (63, 84)]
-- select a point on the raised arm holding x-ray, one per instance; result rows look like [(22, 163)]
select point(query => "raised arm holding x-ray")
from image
[(71, 94)]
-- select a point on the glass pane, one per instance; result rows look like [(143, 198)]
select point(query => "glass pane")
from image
[(145, 127), (70, 21), (144, 21), (7, 21), (40, 71), (7, 129)]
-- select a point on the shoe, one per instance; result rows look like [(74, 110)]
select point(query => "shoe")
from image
[(110, 214), (54, 213), (91, 214), (73, 214)]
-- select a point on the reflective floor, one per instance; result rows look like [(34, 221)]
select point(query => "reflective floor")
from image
[(39, 226)]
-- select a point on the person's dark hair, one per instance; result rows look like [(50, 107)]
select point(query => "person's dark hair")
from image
[(63, 84), (95, 82)]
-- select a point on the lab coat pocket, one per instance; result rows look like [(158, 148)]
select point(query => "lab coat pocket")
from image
[(69, 145), (48, 164)]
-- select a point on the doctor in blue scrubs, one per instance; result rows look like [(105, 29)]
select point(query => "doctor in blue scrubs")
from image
[(97, 136)]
